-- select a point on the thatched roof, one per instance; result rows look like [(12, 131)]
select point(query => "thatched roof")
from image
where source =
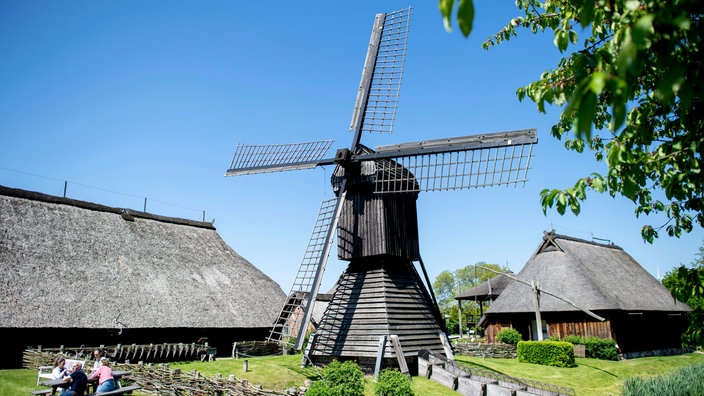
[(489, 290), (69, 263), (592, 275)]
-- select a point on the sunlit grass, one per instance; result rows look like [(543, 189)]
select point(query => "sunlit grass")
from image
[(590, 377)]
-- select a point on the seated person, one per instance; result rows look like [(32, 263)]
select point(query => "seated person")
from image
[(78, 380), (58, 370), (97, 355), (106, 382)]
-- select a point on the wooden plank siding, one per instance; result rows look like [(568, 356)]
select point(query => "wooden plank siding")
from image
[(376, 298), (584, 328), (558, 325), (378, 224)]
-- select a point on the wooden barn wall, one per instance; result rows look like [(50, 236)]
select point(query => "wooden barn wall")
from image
[(378, 224), (372, 302), (632, 331), (559, 326)]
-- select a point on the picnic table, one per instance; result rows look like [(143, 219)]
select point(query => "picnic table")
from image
[(92, 382)]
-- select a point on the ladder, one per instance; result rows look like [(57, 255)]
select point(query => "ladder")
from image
[(289, 320)]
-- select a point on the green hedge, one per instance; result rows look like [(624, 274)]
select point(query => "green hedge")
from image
[(594, 347), (684, 381), (548, 353)]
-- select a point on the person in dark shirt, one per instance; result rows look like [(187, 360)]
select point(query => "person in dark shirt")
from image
[(78, 380)]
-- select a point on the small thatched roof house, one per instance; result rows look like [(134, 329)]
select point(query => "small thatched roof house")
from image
[(487, 291), (640, 313), (78, 273)]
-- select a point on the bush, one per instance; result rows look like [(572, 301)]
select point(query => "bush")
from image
[(509, 336), (548, 353), (339, 379), (684, 381), (392, 382), (599, 348), (594, 347)]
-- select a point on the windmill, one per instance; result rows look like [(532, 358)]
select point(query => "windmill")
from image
[(380, 297)]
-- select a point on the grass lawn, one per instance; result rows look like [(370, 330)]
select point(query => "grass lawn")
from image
[(590, 377)]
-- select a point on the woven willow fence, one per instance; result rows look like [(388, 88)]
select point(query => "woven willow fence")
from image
[(161, 380)]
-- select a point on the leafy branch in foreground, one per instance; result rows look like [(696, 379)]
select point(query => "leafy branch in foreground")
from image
[(631, 92)]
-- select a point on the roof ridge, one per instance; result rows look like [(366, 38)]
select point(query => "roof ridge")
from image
[(553, 235), (41, 197)]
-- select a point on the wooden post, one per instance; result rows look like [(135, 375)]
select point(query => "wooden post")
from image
[(536, 302), (446, 346), (245, 366), (379, 356), (400, 355)]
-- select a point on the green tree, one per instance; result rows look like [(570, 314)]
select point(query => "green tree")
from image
[(450, 283), (631, 91), (687, 285)]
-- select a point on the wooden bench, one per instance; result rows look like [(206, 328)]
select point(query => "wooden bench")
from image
[(42, 392), (47, 374), (117, 391)]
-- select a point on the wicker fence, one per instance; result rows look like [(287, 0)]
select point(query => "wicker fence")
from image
[(159, 379)]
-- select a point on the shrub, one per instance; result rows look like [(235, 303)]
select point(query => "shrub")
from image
[(599, 348), (339, 379), (594, 347), (392, 382), (684, 381), (548, 353), (509, 336)]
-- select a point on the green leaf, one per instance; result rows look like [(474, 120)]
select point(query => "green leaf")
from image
[(619, 116), (585, 115), (446, 7), (561, 39), (597, 82), (465, 16), (586, 14), (642, 29), (597, 183)]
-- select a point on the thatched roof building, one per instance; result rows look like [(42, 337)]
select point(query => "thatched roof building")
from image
[(640, 312), (71, 264), (486, 291)]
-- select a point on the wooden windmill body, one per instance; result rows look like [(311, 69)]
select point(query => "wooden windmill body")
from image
[(380, 312)]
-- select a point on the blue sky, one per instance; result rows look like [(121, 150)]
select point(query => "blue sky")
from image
[(134, 99)]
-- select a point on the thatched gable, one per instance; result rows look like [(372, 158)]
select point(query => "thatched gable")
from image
[(593, 275), (75, 264)]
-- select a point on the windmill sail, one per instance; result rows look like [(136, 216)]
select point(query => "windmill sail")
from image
[(250, 159), (375, 108), (456, 163)]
